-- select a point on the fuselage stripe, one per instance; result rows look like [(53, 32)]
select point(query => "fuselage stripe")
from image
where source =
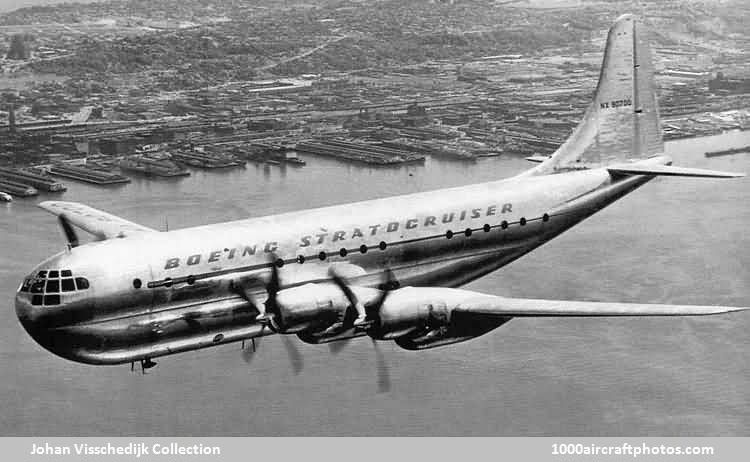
[(167, 282)]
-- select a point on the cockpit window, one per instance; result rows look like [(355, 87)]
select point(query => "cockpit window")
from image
[(48, 284), (53, 285), (37, 287)]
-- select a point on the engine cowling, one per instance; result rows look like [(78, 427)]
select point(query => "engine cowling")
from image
[(313, 309), (418, 318)]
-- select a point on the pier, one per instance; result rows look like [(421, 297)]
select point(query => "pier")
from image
[(87, 175), (360, 152), (17, 189), (728, 152), (205, 160), (151, 166), (38, 181)]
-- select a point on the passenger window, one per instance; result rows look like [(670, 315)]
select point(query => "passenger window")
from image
[(67, 285), (54, 274), (51, 300), (82, 283), (37, 287), (66, 273), (53, 286)]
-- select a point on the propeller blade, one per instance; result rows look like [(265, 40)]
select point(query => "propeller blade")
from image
[(248, 353), (272, 288), (372, 311), (338, 346), (240, 287), (384, 375), (355, 308), (294, 355), (344, 286), (70, 232)]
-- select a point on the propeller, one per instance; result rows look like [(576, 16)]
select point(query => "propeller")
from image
[(355, 308), (249, 353), (271, 315), (372, 314), (70, 232), (372, 311), (384, 375), (295, 358), (274, 322), (338, 346)]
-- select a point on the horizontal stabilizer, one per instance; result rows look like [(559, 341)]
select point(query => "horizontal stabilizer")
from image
[(669, 170), (537, 159)]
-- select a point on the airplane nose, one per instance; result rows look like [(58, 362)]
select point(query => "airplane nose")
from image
[(25, 311)]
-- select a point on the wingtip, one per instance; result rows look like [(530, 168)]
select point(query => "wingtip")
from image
[(46, 205)]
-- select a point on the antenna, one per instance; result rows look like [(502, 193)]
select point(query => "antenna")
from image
[(166, 223)]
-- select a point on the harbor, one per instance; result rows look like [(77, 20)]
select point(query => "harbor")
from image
[(233, 194)]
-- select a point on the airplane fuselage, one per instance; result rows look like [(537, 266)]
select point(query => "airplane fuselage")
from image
[(144, 290), (345, 271)]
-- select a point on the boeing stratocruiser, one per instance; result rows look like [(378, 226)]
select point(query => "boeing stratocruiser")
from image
[(386, 268)]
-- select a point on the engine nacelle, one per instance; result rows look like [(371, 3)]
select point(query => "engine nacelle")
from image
[(459, 330), (418, 318), (318, 337), (413, 309), (316, 307)]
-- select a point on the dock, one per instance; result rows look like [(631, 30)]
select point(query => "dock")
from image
[(17, 189), (204, 160), (38, 181), (87, 175), (359, 152), (727, 152), (152, 166)]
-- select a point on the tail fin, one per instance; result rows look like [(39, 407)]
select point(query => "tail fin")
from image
[(622, 121)]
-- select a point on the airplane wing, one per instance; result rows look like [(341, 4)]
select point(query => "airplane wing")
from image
[(526, 307), (101, 224)]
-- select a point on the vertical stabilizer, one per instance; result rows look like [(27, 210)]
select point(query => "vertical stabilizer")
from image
[(622, 121)]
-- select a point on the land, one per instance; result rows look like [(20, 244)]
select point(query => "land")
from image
[(382, 82)]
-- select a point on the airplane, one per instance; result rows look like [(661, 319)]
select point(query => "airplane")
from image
[(388, 268)]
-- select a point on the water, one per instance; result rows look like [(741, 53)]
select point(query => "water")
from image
[(10, 5), (674, 241)]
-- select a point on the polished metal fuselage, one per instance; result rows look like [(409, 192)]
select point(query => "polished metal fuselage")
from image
[(154, 294)]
